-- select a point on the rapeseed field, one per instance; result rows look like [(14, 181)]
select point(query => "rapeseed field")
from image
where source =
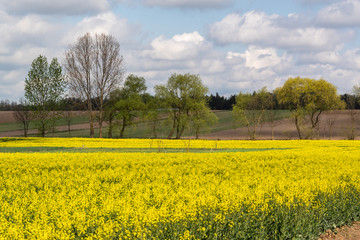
[(293, 190)]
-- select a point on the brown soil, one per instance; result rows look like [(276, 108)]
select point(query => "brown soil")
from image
[(6, 116), (343, 233), (285, 129)]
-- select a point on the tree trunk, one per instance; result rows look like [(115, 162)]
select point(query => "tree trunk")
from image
[(181, 131), (197, 132), (91, 127), (154, 129), (298, 127), (173, 128), (101, 114), (100, 127), (42, 129), (122, 128), (25, 130), (91, 120), (110, 126)]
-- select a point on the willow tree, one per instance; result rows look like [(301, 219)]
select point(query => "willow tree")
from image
[(94, 68), (182, 95), (307, 99)]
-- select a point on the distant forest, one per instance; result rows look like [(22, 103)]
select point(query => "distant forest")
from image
[(216, 102)]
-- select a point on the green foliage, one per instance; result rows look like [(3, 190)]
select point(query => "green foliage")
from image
[(44, 88), (309, 95), (182, 95), (130, 101), (202, 117), (307, 99), (152, 113), (250, 108), (356, 91)]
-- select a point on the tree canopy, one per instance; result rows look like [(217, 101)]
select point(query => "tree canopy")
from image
[(183, 94), (44, 88), (307, 99), (249, 109), (130, 101)]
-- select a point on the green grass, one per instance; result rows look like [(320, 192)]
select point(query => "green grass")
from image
[(126, 150), (142, 129), (15, 126)]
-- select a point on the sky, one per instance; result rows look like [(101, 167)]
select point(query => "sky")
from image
[(233, 45)]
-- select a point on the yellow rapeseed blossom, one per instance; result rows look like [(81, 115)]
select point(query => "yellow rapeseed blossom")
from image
[(136, 196)]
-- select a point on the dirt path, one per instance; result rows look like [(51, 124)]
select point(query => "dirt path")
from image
[(343, 233)]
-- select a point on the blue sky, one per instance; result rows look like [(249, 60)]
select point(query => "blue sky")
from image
[(233, 45)]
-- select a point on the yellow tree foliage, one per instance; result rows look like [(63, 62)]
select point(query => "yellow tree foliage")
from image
[(307, 99)]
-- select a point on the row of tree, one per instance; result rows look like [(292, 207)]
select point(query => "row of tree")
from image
[(306, 99), (182, 101), (93, 75)]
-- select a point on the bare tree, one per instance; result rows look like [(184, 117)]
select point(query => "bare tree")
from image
[(108, 70), (94, 69), (23, 115), (78, 65)]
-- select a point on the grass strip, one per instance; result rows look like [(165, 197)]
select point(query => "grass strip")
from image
[(129, 150)]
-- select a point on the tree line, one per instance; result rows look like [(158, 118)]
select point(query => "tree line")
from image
[(92, 78)]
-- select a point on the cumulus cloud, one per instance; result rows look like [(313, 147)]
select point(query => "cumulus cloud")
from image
[(344, 13), (272, 30), (187, 4), (260, 58), (179, 47), (257, 67), (24, 33), (67, 7), (107, 23)]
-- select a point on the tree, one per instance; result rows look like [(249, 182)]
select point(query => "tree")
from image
[(152, 112), (250, 108), (181, 95), (111, 111), (307, 99), (23, 115), (351, 101), (94, 68), (201, 117), (44, 88), (130, 101), (272, 113)]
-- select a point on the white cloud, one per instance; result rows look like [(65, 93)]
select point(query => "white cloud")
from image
[(188, 3), (107, 23), (24, 32), (67, 7), (256, 67), (342, 13), (33, 25), (261, 58), (275, 31), (179, 47)]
